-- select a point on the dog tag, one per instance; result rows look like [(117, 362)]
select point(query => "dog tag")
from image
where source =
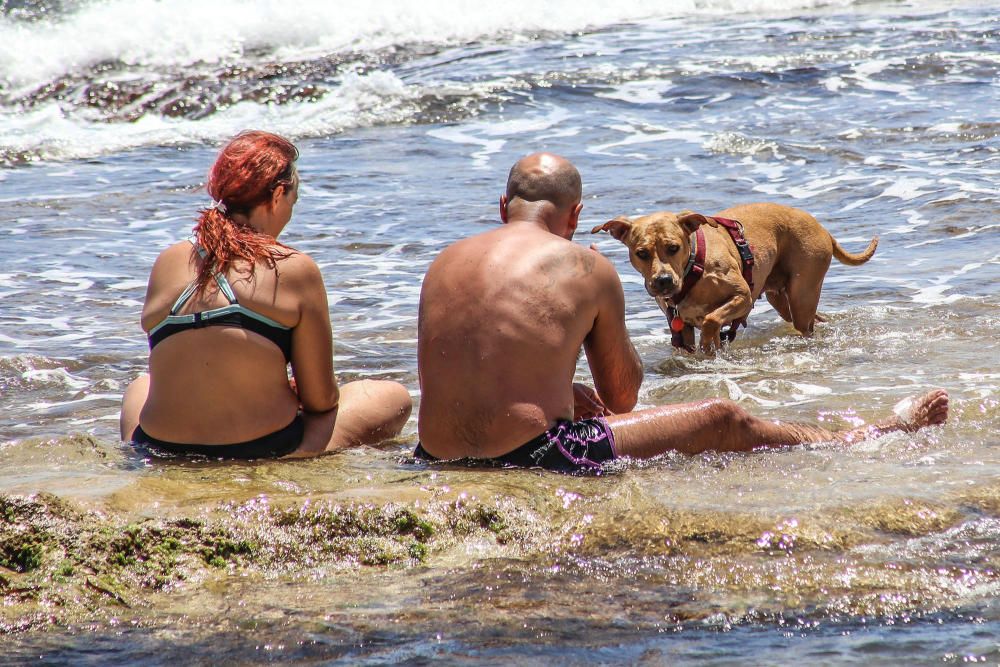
[(677, 325)]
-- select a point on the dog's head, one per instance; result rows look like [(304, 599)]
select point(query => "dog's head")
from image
[(659, 246)]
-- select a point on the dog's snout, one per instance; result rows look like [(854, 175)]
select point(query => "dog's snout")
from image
[(663, 283)]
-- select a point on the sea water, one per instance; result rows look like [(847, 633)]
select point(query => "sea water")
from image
[(879, 118)]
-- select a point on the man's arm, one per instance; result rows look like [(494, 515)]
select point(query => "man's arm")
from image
[(586, 403), (613, 361)]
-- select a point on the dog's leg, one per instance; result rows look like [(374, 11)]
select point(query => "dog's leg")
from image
[(688, 334), (735, 309), (711, 336), (803, 298), (779, 301)]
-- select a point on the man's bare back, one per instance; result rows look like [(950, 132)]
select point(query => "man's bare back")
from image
[(503, 316)]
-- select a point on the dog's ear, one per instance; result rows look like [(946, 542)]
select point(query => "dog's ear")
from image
[(691, 221), (619, 227)]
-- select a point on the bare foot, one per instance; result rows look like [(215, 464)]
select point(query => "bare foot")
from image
[(911, 414), (916, 412)]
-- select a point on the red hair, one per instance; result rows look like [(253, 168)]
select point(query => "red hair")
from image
[(245, 175)]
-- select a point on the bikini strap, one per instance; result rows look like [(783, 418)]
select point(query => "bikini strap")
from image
[(182, 299), (220, 280)]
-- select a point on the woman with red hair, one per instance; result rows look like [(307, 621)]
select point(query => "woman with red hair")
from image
[(227, 311)]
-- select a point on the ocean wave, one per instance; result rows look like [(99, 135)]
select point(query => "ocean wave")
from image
[(195, 72), (42, 41), (358, 101)]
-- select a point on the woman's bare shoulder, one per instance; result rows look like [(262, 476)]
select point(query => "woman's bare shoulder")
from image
[(179, 253), (299, 268)]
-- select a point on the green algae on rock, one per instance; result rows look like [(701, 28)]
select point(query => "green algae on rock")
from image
[(59, 563)]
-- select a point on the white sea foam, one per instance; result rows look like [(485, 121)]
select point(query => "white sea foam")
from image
[(640, 92), (646, 135), (128, 285), (358, 101), (821, 185), (491, 137), (935, 295), (183, 32), (740, 144), (53, 377), (908, 188), (865, 73)]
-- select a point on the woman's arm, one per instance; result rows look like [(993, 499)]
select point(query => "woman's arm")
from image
[(167, 279), (312, 337)]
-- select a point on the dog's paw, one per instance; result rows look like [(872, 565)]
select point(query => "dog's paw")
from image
[(711, 344)]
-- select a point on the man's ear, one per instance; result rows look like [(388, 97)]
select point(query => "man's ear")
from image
[(691, 221), (503, 208), (574, 219), (619, 227)]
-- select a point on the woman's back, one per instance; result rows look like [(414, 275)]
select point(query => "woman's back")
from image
[(233, 376)]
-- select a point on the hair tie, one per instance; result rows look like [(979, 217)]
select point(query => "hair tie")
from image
[(218, 206)]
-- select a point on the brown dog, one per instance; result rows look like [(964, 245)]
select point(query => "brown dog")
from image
[(791, 254)]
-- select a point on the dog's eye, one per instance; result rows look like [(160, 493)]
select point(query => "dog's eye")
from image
[(642, 254), (673, 248)]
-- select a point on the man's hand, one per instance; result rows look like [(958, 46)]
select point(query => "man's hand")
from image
[(586, 403)]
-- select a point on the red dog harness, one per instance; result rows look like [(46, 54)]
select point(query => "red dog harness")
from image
[(695, 269), (692, 274)]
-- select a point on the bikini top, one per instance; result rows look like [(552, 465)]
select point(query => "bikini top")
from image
[(233, 315)]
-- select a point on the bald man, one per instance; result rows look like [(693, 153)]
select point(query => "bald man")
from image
[(503, 317)]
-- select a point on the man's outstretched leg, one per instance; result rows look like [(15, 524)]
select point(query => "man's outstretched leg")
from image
[(721, 425)]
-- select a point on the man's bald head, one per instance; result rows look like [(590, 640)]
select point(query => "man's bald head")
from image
[(545, 177)]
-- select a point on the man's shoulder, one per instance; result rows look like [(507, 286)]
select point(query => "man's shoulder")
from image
[(476, 245), (459, 245), (530, 251), (584, 260)]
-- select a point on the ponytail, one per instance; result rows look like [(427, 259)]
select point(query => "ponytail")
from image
[(246, 173)]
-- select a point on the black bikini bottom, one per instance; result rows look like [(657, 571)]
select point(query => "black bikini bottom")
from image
[(271, 446)]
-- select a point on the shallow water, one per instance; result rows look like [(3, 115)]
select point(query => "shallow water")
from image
[(877, 118)]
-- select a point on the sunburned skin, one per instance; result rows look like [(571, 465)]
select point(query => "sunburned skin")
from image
[(720, 425)]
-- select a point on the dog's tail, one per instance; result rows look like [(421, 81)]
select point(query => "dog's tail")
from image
[(852, 259)]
